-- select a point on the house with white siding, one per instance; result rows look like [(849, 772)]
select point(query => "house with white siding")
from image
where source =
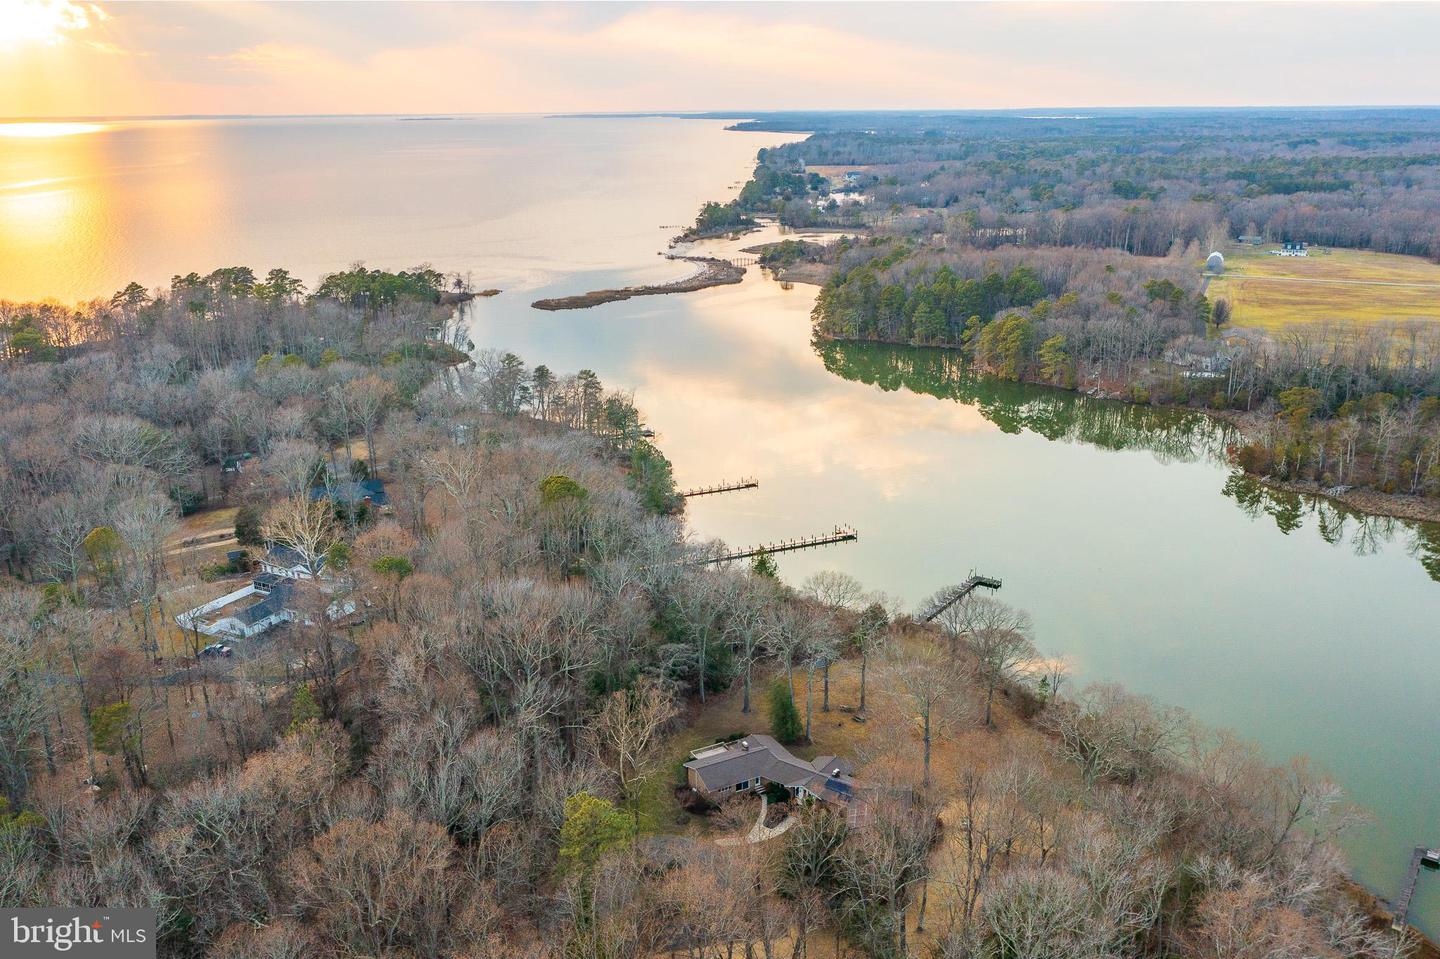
[(266, 602)]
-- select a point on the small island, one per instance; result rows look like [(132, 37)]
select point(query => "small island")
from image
[(713, 272)]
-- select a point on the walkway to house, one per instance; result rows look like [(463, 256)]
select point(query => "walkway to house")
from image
[(759, 832)]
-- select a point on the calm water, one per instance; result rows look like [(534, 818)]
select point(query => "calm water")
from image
[(1140, 557)]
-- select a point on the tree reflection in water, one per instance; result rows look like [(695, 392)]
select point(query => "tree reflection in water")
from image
[(1170, 435)]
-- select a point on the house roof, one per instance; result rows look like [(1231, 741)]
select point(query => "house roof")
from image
[(761, 756), (353, 492), (265, 582), (286, 557), (274, 603), (830, 765)]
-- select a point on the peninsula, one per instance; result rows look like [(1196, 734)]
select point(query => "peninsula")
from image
[(713, 272)]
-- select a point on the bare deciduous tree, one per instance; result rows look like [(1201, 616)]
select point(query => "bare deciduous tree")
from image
[(376, 888), (290, 466), (1112, 734), (625, 732), (367, 399), (930, 686), (998, 636), (305, 525)]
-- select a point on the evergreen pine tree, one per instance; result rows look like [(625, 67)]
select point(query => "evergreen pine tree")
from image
[(785, 723)]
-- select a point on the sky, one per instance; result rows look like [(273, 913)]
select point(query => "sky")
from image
[(68, 58)]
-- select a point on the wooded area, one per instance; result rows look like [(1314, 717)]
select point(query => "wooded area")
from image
[(1070, 253), (478, 761)]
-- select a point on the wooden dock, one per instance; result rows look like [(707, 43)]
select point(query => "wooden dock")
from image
[(842, 534), (954, 596), (1420, 856), (722, 487)]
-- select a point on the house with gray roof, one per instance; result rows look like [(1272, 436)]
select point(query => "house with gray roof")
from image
[(749, 764), (288, 562), (264, 603), (248, 611), (353, 493)]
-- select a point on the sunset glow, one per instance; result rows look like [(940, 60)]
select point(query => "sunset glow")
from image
[(42, 21), (29, 131), (63, 58)]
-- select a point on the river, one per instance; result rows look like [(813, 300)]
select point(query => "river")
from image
[(1141, 558)]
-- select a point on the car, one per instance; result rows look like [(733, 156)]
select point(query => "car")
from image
[(216, 649)]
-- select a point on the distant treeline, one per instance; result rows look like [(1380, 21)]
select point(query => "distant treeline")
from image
[(1143, 182), (1065, 251)]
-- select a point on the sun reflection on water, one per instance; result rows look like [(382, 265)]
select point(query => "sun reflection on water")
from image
[(33, 131)]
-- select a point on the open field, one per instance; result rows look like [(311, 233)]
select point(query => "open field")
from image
[(203, 537), (1272, 292)]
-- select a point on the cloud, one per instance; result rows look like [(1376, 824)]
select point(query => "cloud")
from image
[(114, 49), (24, 22), (388, 57), (274, 58)]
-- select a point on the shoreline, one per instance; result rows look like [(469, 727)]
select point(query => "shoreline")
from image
[(713, 272), (452, 298), (811, 274), (1360, 499)]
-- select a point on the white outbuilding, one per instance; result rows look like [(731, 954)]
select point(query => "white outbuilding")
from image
[(1215, 263)]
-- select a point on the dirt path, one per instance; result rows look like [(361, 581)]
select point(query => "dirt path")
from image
[(213, 544)]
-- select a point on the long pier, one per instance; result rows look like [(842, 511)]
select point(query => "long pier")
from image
[(723, 487), (1420, 856), (954, 596), (842, 534)]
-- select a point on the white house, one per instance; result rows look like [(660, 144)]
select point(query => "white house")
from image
[(262, 604), (842, 199), (244, 613), (288, 562)]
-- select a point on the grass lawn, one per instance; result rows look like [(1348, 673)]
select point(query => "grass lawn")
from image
[(205, 521), (721, 718), (1273, 292), (203, 538)]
